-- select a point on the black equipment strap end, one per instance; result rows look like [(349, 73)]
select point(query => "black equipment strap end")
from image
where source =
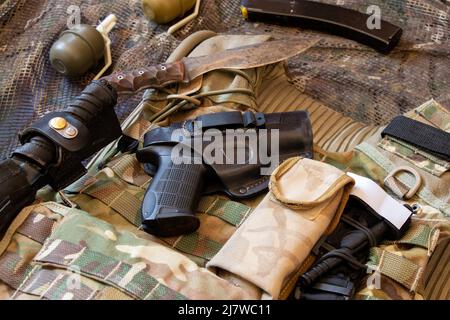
[(420, 135)]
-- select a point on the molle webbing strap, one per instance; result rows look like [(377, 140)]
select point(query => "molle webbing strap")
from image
[(93, 264), (124, 193), (200, 245), (130, 170), (230, 211), (127, 168), (37, 227), (435, 114), (12, 269), (418, 157), (55, 284), (116, 195), (396, 267), (387, 165), (195, 244), (50, 284), (425, 137), (417, 235), (57, 208), (128, 204)]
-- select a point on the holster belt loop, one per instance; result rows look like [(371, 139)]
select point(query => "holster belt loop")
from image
[(220, 119), (231, 119)]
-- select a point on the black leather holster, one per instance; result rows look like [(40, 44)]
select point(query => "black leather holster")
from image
[(239, 181)]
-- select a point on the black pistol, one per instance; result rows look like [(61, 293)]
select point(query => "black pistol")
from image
[(170, 201), (172, 197)]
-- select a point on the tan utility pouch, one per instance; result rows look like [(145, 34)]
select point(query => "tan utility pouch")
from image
[(272, 247)]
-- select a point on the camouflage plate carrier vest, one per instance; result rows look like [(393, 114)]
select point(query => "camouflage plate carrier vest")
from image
[(85, 243)]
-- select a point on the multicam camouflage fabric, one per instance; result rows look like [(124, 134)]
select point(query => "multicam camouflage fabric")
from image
[(141, 268), (417, 157), (21, 244), (401, 276), (402, 263), (85, 257), (432, 113), (98, 252), (104, 252)]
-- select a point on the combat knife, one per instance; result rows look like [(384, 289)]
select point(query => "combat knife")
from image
[(189, 68)]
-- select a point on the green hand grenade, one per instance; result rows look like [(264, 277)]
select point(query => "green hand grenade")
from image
[(163, 11), (80, 48)]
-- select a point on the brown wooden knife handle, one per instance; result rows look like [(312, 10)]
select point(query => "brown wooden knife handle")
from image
[(147, 77)]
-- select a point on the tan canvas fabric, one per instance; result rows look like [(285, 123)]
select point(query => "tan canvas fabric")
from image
[(275, 241)]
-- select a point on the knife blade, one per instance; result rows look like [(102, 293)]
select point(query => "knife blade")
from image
[(189, 68)]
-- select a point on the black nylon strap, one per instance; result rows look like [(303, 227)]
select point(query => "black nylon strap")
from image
[(420, 135), (41, 151), (355, 224), (333, 288), (221, 120), (231, 119)]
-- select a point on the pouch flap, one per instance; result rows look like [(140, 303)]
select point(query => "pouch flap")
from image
[(301, 183)]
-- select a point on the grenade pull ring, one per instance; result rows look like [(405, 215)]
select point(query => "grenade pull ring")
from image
[(104, 28)]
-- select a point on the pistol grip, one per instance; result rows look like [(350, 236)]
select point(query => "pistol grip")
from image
[(170, 201)]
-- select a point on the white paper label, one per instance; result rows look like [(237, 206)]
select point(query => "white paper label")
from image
[(382, 203)]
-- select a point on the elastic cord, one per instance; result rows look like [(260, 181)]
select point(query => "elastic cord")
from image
[(343, 254), (243, 74), (169, 109), (360, 227)]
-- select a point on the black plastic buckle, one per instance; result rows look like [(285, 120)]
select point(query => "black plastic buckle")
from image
[(250, 119), (346, 291)]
